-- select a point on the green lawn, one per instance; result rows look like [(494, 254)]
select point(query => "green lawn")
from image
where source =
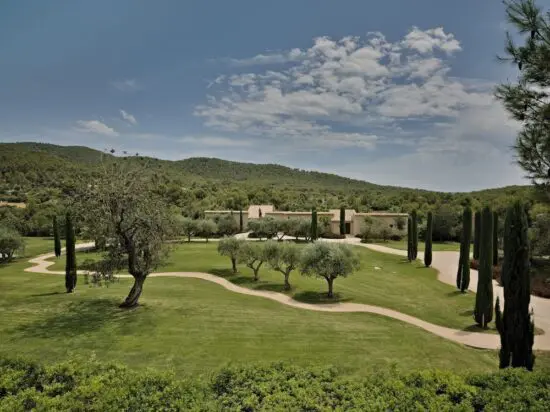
[(193, 326), (38, 246), (407, 287), (436, 246)]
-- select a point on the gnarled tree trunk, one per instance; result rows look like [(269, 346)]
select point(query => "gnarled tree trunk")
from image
[(234, 264), (287, 283), (330, 281), (132, 299)]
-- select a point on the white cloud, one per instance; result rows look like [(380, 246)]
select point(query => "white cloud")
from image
[(429, 40), (96, 127), (127, 85), (128, 117), (269, 59), (215, 141)]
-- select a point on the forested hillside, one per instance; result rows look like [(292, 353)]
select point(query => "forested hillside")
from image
[(45, 175)]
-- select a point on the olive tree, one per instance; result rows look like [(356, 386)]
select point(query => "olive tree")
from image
[(328, 261), (283, 257), (188, 227), (122, 206), (252, 254), (10, 243), (230, 247), (207, 227)]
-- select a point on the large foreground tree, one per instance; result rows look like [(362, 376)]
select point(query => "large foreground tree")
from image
[(122, 206), (528, 100)]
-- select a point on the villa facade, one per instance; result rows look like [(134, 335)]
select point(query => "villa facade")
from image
[(354, 221)]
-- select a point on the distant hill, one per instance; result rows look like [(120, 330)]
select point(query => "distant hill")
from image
[(28, 167)]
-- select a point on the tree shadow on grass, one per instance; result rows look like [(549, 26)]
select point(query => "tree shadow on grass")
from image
[(467, 313), (319, 297), (477, 328), (455, 293), (84, 317), (248, 281), (47, 294)]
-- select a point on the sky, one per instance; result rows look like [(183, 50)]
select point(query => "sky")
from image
[(392, 92)]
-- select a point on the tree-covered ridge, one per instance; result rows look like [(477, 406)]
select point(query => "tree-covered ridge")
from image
[(45, 177)]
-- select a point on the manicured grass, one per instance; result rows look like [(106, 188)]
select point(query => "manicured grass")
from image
[(406, 287), (437, 246), (193, 327), (35, 246)]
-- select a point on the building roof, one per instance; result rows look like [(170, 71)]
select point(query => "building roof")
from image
[(254, 210)]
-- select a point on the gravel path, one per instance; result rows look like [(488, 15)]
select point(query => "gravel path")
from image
[(443, 261)]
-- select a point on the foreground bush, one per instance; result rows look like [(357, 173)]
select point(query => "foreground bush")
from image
[(91, 386)]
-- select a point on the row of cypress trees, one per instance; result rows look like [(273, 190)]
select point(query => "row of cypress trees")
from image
[(70, 250), (515, 323)]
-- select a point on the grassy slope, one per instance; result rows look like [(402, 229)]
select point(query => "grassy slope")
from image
[(399, 285)]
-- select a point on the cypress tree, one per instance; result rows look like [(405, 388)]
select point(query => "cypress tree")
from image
[(56, 238), (483, 312), (477, 231), (241, 226), (515, 325), (495, 238), (409, 239), (428, 247), (313, 224), (414, 233), (70, 264), (342, 221), (463, 275)]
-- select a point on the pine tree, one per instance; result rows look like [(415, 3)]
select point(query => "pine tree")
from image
[(477, 231), (313, 225), (414, 235), (70, 264), (483, 312), (515, 325), (56, 238), (428, 247), (463, 276), (241, 225), (409, 239), (342, 221), (495, 238)]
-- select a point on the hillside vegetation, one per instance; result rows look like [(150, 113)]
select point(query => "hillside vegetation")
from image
[(46, 175)]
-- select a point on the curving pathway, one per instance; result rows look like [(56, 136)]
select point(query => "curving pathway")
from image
[(473, 339)]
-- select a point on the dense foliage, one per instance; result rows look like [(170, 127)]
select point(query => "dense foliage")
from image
[(92, 386), (463, 275), (428, 236), (10, 243), (44, 176), (70, 255)]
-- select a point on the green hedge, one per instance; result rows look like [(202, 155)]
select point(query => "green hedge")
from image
[(93, 386)]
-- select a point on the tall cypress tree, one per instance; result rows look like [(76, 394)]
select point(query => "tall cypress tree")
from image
[(477, 230), (342, 221), (313, 224), (409, 239), (414, 233), (463, 275), (483, 312), (70, 264), (56, 238), (428, 247), (495, 238), (241, 226), (515, 325)]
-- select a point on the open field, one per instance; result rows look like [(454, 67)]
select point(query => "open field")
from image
[(406, 287)]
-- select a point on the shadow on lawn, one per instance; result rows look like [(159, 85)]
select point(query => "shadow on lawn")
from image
[(84, 317), (248, 282), (319, 297)]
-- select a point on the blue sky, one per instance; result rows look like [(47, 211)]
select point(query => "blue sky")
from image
[(393, 92)]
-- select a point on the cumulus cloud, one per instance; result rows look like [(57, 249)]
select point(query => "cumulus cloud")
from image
[(268, 59), (96, 127), (359, 92), (128, 117)]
